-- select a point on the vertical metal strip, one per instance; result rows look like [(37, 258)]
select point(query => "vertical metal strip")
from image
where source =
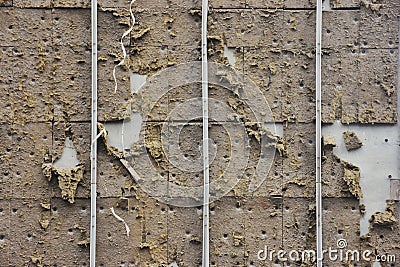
[(206, 177), (93, 151), (397, 189), (318, 135)]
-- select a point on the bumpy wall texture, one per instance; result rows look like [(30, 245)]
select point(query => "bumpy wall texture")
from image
[(45, 82)]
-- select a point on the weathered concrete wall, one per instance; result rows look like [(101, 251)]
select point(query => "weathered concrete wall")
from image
[(45, 61)]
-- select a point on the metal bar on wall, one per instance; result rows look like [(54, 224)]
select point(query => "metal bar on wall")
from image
[(93, 151), (318, 135), (206, 177)]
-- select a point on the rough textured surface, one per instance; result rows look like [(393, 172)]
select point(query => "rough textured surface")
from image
[(351, 140), (45, 98)]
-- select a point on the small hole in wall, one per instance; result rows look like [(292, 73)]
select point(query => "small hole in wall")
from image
[(14, 210), (109, 234), (1, 210), (386, 140), (390, 176), (391, 51), (1, 237), (353, 208), (355, 19), (54, 209), (379, 15), (390, 42), (212, 209), (328, 31), (381, 236), (263, 232), (225, 236), (340, 232)]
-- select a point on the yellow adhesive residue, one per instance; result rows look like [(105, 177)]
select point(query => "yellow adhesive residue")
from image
[(68, 179), (371, 4), (385, 218), (352, 178)]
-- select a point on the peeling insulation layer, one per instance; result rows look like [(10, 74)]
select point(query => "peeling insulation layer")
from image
[(45, 97), (387, 217), (352, 178), (68, 179), (351, 140)]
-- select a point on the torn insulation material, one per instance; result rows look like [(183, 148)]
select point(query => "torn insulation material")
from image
[(68, 179), (352, 178), (110, 149), (388, 217), (351, 140)]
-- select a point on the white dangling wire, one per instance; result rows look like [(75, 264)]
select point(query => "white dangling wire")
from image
[(123, 46)]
